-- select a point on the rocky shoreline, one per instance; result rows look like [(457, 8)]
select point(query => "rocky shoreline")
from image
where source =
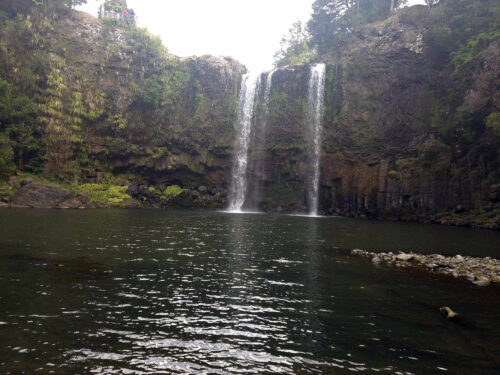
[(480, 271)]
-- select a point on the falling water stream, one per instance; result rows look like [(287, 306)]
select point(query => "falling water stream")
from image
[(249, 88), (315, 99), (244, 128)]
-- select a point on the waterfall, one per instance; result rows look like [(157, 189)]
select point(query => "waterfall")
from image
[(244, 128), (315, 99), (258, 145), (267, 96)]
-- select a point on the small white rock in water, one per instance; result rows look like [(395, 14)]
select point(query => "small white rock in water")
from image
[(483, 281), (376, 260), (450, 314)]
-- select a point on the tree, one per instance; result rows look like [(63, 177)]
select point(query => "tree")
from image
[(431, 3), (334, 22), (295, 47), (115, 5), (6, 158), (14, 7), (19, 126)]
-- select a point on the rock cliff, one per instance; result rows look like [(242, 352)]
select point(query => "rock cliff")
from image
[(408, 134)]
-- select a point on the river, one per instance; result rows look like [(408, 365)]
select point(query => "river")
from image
[(198, 292)]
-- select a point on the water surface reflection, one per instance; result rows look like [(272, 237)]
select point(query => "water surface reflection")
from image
[(153, 292)]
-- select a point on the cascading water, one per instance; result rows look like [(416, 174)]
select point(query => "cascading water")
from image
[(267, 95), (244, 127), (258, 145), (315, 99)]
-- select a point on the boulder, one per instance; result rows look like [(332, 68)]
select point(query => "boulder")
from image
[(405, 257), (13, 181), (482, 281), (41, 196), (27, 181)]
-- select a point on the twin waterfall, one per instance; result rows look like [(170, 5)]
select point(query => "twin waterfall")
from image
[(250, 87)]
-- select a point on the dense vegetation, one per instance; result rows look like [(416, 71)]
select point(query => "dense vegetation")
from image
[(61, 116)]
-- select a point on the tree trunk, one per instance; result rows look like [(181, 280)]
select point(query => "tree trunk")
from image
[(392, 6)]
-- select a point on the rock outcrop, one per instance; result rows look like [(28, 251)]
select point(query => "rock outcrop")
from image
[(479, 271), (36, 195)]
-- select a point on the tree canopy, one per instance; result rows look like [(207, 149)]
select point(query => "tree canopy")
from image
[(294, 47), (334, 21), (14, 7), (115, 5)]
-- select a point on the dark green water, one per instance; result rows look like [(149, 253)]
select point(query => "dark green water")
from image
[(160, 292)]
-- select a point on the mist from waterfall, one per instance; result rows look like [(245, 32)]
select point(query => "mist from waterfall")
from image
[(315, 100), (246, 104)]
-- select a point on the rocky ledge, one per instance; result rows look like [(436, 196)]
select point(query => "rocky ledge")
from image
[(480, 271)]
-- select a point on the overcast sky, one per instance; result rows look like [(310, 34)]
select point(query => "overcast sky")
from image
[(248, 30)]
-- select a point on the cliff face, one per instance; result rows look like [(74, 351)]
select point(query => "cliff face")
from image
[(112, 102), (406, 135)]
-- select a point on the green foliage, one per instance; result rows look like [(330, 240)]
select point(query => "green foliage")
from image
[(18, 122), (435, 155), (334, 22), (158, 152), (115, 5), (493, 122), (7, 166), (104, 194), (473, 48), (294, 47), (171, 192)]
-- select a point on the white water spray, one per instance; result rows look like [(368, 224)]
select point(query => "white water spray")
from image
[(244, 128), (267, 96), (315, 99)]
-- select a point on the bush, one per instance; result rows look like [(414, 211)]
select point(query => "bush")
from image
[(106, 194), (171, 192), (493, 122)]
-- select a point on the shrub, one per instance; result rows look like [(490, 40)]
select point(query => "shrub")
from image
[(171, 192), (106, 194), (493, 122)]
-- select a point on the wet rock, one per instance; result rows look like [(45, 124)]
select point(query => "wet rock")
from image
[(27, 181), (41, 196), (483, 281), (450, 314), (13, 181), (405, 257), (480, 271)]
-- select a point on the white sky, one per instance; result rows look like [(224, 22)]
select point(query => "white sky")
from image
[(248, 30)]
